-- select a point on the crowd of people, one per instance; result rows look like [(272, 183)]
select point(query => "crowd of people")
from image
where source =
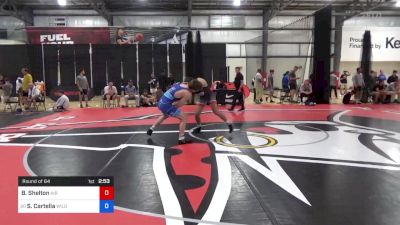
[(384, 89)]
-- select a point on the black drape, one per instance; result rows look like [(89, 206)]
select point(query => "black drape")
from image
[(198, 57), (189, 55), (67, 65), (12, 59), (145, 65), (51, 66), (35, 61), (129, 60), (366, 65), (175, 62), (100, 60), (161, 64), (322, 54), (214, 62)]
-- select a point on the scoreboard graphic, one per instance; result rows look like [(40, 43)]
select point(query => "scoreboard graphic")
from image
[(65, 195)]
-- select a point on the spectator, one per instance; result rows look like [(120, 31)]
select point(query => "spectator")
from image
[(26, 80), (122, 37), (379, 92), (293, 83), (285, 82), (239, 90), (33, 96), (83, 86), (111, 93), (381, 76), (343, 82), (358, 85), (270, 86), (62, 103), (147, 99), (153, 83), (305, 90), (332, 84), (131, 94), (258, 87), (347, 97), (393, 78), (393, 90), (7, 88), (18, 85)]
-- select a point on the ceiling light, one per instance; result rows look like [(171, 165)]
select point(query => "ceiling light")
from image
[(236, 2), (398, 3), (62, 2)]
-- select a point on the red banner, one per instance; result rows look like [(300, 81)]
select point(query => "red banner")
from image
[(69, 35)]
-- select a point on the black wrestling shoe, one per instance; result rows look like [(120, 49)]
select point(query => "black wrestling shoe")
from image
[(242, 109), (230, 128), (197, 130), (149, 131), (184, 141)]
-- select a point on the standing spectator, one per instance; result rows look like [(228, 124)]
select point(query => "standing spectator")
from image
[(393, 78), (258, 86), (332, 84), (111, 93), (270, 86), (170, 81), (62, 103), (18, 85), (394, 89), (7, 88), (305, 90), (33, 96), (26, 81), (358, 84), (153, 83), (131, 93), (343, 82), (83, 86), (239, 90), (293, 83), (285, 82)]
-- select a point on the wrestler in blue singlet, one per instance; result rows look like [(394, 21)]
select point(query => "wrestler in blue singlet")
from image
[(166, 101)]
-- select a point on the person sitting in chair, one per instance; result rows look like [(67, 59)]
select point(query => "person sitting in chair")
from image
[(34, 95), (7, 88), (111, 93), (147, 99), (305, 90), (379, 92), (130, 94), (393, 90), (62, 103)]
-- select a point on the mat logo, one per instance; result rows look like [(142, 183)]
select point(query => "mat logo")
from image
[(5, 138)]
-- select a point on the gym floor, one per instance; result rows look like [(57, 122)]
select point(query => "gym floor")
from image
[(282, 165)]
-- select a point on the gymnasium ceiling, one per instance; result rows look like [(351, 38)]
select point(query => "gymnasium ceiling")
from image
[(179, 5)]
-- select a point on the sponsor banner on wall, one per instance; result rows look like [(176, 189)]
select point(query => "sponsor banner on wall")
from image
[(385, 43), (68, 35)]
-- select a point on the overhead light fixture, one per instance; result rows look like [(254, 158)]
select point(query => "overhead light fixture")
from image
[(62, 2), (236, 2), (398, 3)]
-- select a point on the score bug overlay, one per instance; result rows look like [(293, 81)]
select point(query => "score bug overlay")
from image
[(65, 194)]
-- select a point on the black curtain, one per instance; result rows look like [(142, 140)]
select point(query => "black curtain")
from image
[(35, 61), (198, 57), (67, 65), (115, 60), (51, 66), (366, 66), (82, 59), (189, 55), (214, 62), (175, 62), (12, 59), (161, 64), (129, 60), (145, 65), (100, 59), (322, 54)]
